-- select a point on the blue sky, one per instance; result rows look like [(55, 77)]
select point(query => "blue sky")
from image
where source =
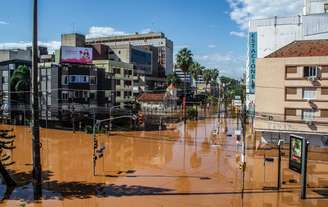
[(206, 27)]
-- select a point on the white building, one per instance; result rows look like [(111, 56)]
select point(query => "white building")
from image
[(271, 34)]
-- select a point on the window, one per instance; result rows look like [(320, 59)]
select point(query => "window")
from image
[(324, 91), (65, 80), (309, 94), (291, 91), (324, 113), (93, 80), (290, 112), (92, 96), (118, 82), (326, 8), (310, 71), (118, 93), (65, 95), (308, 115), (117, 70), (291, 69)]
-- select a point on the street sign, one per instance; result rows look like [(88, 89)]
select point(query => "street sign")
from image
[(295, 153)]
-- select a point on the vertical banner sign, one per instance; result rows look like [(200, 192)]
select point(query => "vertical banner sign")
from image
[(252, 53), (295, 153)]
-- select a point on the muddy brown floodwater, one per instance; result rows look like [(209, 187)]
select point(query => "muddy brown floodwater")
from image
[(185, 166)]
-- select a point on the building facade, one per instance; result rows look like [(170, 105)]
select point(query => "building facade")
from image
[(297, 77), (268, 35), (123, 78), (14, 105), (78, 90), (158, 40)]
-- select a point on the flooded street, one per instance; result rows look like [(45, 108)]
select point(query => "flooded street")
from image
[(185, 166)]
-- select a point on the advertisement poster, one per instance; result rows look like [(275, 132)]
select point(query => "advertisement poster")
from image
[(295, 155), (76, 55)]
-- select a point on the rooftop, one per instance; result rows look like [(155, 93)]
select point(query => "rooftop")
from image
[(135, 36), (302, 48), (151, 97)]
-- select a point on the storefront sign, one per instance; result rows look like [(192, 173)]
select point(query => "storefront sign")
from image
[(252, 54)]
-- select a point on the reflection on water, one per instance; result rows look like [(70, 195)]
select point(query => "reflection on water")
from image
[(149, 168)]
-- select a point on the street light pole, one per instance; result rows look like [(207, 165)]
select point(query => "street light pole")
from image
[(36, 174)]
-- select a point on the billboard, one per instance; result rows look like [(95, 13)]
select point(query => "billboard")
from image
[(295, 153), (252, 56), (76, 55)]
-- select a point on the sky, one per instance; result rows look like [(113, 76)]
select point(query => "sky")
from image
[(214, 30)]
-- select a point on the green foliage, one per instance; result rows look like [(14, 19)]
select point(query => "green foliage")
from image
[(212, 99), (232, 87), (196, 70), (207, 76), (20, 82), (173, 78), (20, 78), (192, 113), (184, 60)]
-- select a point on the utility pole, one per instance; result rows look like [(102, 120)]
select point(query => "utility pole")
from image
[(37, 171), (243, 123)]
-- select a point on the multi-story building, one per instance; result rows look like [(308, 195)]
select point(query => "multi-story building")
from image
[(68, 89), (122, 74), (20, 54), (158, 40), (14, 105), (292, 92), (270, 34)]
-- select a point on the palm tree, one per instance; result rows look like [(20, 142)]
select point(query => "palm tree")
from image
[(207, 76), (184, 61), (173, 78), (196, 70)]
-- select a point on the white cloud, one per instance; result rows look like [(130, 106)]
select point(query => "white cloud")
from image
[(229, 64), (145, 31), (95, 32), (238, 34), (3, 22), (211, 46), (51, 45), (244, 10)]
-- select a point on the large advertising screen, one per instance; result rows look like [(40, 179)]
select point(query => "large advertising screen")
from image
[(76, 55), (295, 153)]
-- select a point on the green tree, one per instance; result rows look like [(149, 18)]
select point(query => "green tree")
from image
[(184, 61), (173, 78), (20, 84), (196, 70), (207, 77)]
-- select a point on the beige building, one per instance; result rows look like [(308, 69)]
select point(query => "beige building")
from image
[(292, 92), (123, 75)]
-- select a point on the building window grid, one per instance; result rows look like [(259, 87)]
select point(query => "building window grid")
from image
[(309, 94)]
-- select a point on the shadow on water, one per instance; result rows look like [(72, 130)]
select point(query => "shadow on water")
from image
[(53, 189)]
